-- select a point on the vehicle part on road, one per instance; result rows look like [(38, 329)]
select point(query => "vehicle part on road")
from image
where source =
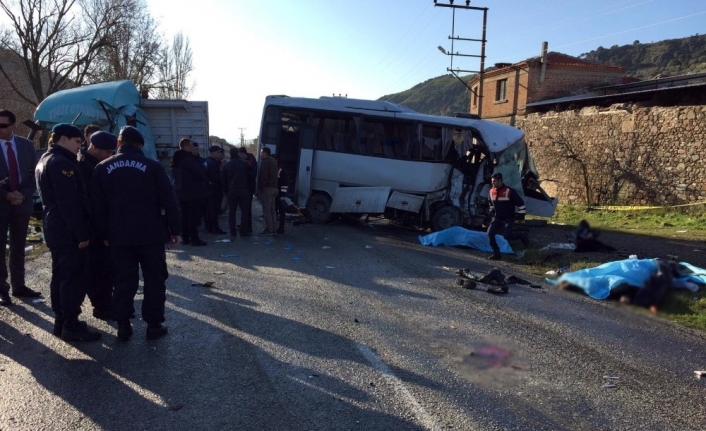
[(319, 208), (446, 217), (609, 386), (495, 277), (498, 290)]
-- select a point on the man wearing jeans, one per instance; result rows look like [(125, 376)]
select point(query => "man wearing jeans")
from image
[(267, 185)]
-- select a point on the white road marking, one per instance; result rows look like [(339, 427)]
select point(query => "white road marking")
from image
[(422, 415)]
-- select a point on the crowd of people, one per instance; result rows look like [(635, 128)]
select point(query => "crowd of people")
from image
[(109, 211)]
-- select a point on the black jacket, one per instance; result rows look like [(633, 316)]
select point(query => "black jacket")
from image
[(237, 177), (133, 200), (66, 208), (189, 176), (86, 164), (213, 175)]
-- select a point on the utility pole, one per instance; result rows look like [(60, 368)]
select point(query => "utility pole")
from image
[(242, 137), (453, 54)]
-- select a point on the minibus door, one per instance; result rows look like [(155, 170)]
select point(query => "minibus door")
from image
[(306, 159)]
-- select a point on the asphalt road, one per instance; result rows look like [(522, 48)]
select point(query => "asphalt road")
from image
[(344, 327)]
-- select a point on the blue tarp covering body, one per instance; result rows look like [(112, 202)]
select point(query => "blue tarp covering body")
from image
[(88, 105), (457, 235), (599, 281)]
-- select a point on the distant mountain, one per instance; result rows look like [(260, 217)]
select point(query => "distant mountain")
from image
[(445, 95), (647, 60)]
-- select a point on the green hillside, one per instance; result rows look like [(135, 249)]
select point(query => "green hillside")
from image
[(445, 95)]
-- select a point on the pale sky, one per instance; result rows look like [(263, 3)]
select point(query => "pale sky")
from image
[(245, 50)]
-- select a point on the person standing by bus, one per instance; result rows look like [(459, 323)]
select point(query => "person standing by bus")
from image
[(282, 181), (503, 202), (190, 185), (215, 190), (101, 145), (67, 231), (17, 172), (235, 180), (136, 213), (267, 185)]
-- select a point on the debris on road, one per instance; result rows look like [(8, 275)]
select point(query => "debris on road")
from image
[(218, 272), (586, 239), (700, 374), (206, 284)]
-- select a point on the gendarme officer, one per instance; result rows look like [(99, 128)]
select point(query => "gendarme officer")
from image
[(100, 146), (136, 213), (66, 230)]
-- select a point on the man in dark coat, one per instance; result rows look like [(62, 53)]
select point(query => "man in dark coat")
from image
[(236, 178), (66, 231), (136, 213), (504, 202), (190, 185), (215, 190), (19, 159), (101, 145)]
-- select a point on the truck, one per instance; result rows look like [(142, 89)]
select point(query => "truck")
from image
[(112, 105)]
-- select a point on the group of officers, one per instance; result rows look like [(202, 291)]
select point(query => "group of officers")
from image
[(108, 210)]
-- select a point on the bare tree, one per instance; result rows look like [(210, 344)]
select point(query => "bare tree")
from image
[(133, 51), (174, 69), (56, 41)]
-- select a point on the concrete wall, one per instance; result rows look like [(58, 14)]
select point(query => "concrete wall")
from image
[(621, 155)]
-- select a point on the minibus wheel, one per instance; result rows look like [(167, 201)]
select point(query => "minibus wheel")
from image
[(444, 218), (319, 208)]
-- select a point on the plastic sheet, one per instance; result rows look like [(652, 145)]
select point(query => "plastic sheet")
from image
[(458, 236)]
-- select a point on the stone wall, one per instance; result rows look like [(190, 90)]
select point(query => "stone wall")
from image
[(624, 154)]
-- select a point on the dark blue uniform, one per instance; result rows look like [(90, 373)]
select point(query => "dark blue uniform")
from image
[(236, 180), (66, 224), (215, 194), (136, 210), (190, 184), (100, 283)]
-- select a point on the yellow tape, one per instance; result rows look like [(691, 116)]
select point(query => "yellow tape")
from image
[(640, 208)]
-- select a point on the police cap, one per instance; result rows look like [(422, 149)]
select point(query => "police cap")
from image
[(104, 140), (131, 134), (497, 175), (68, 130), (215, 148)]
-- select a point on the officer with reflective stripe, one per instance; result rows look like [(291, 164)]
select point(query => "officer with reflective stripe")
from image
[(136, 213), (66, 230), (503, 201)]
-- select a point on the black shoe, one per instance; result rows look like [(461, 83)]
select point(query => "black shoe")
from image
[(219, 231), (198, 243), (102, 314), (5, 300), (498, 290), (58, 326), (25, 292), (495, 256), (79, 331), (124, 330), (156, 330)]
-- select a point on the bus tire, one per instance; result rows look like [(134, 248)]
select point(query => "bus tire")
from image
[(444, 218), (318, 208)]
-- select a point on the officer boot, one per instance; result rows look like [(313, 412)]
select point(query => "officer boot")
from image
[(496, 254), (74, 330), (124, 330), (156, 330), (58, 326)]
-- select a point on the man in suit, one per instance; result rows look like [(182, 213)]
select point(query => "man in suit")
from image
[(19, 159)]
